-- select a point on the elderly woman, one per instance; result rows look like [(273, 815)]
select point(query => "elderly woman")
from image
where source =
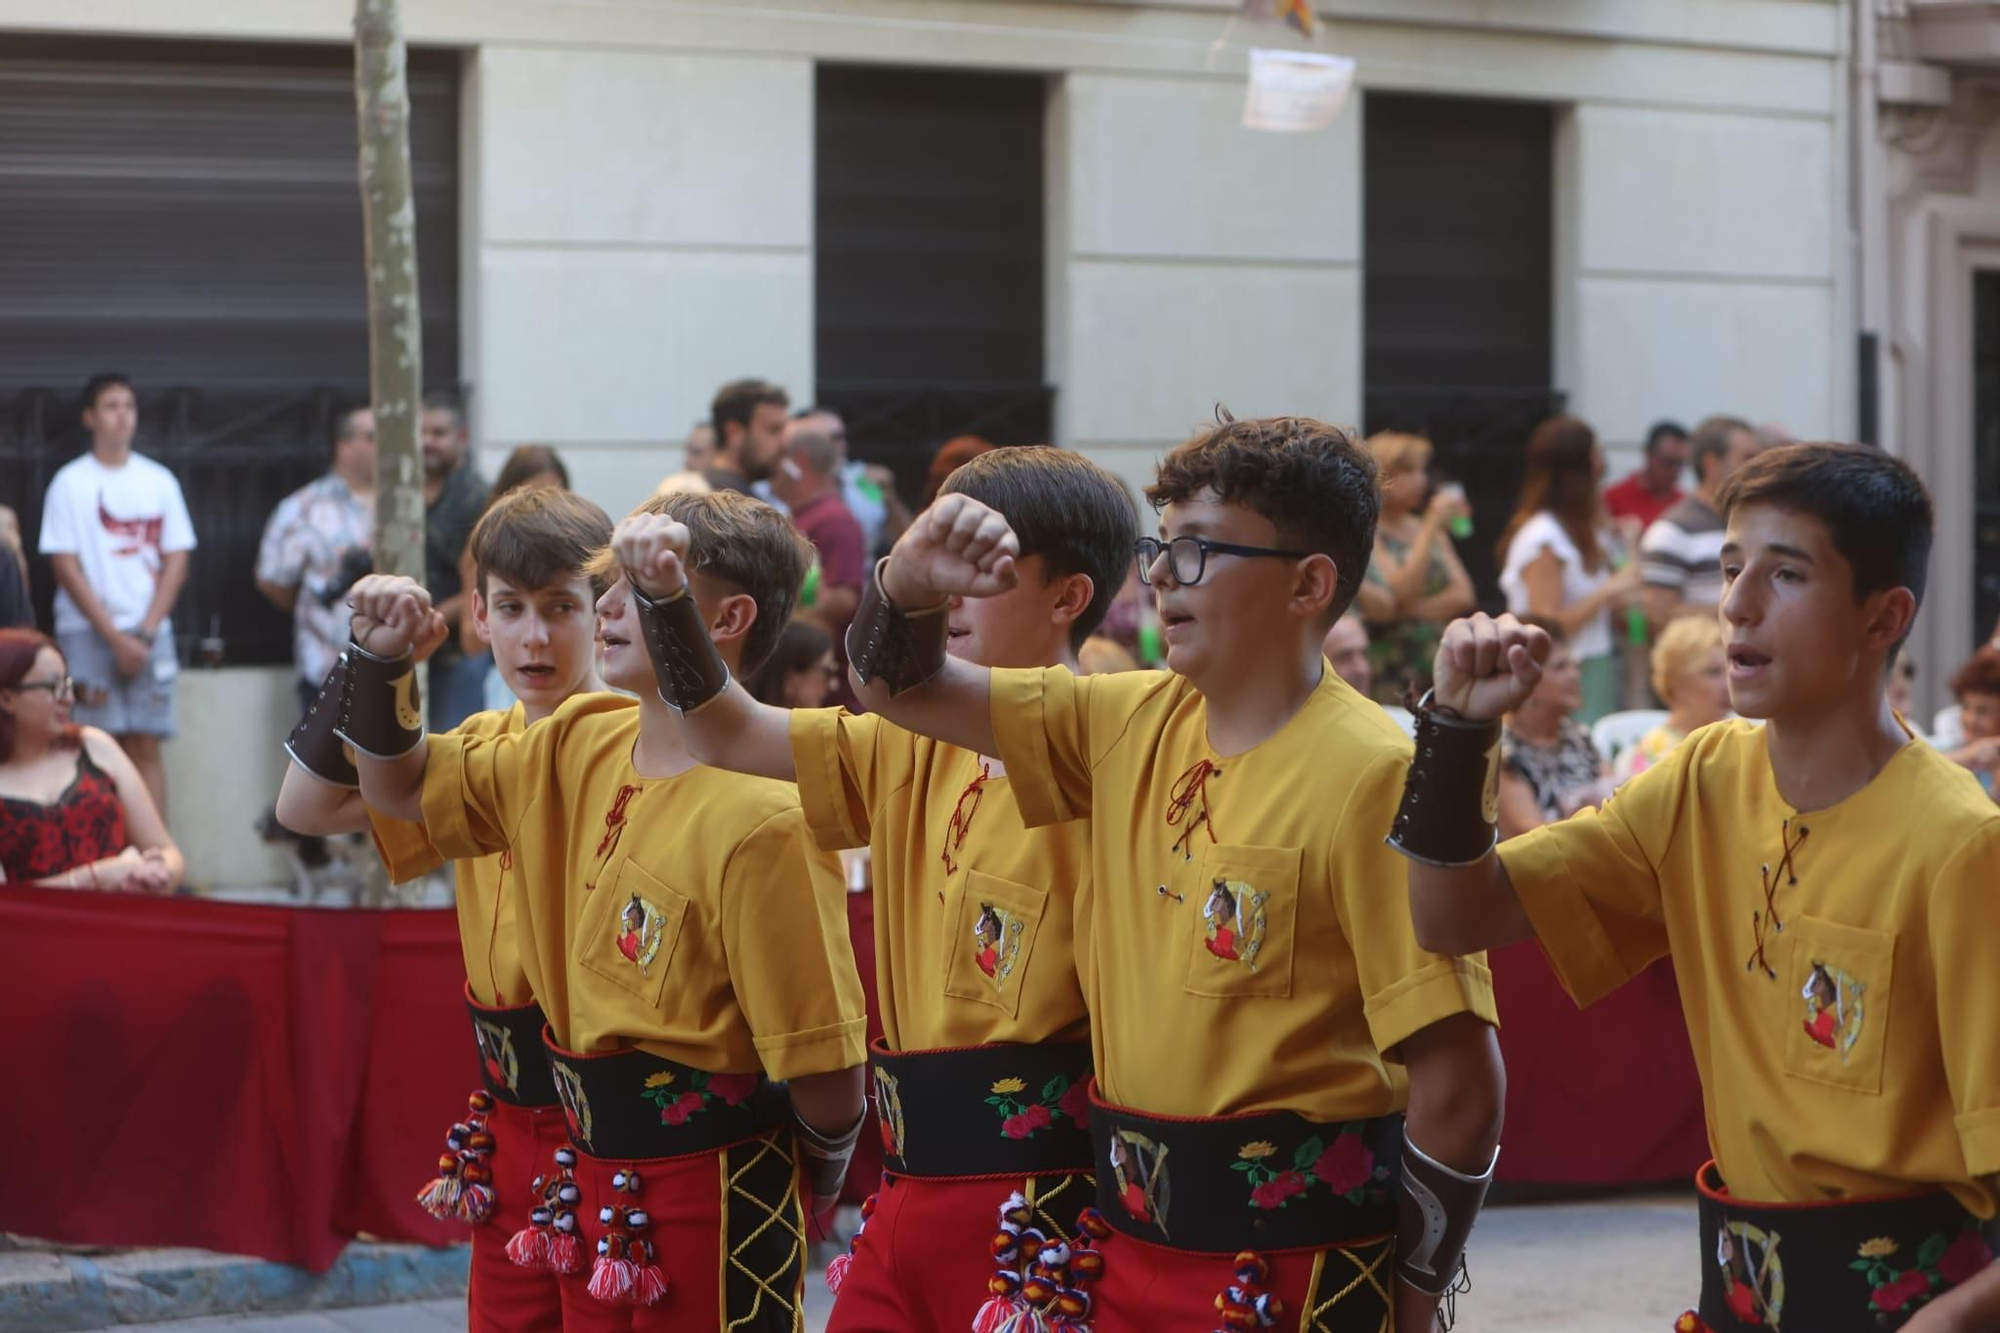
[(1549, 769), (74, 812), (1691, 674), (1415, 583)]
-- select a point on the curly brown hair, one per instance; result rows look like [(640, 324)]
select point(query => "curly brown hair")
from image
[(1979, 675), (1316, 484)]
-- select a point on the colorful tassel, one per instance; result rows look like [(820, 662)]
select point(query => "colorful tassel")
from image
[(611, 1280), (994, 1316), (836, 1271), (529, 1247), (565, 1253)]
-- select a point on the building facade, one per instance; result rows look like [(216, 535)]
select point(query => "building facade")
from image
[(1044, 220)]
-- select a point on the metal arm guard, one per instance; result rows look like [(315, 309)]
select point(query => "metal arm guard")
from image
[(685, 664), (822, 1160), (1434, 1218), (313, 745), (380, 712), (1451, 798), (902, 649)]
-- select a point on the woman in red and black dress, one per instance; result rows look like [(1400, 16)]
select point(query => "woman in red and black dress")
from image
[(74, 812)]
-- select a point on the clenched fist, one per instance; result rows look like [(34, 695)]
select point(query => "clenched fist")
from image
[(653, 550), (1487, 668), (393, 615), (956, 548)]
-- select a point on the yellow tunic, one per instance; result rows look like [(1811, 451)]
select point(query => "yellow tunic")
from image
[(486, 933), (973, 929), (1244, 939), (1836, 967), (688, 916)]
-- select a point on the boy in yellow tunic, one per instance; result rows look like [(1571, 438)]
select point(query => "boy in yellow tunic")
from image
[(534, 604), (1825, 883), (685, 943), (980, 1077), (1250, 1089)]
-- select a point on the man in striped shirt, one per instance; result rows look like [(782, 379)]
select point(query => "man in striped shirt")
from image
[(1681, 552)]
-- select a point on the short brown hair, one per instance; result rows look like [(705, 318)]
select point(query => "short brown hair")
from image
[(1064, 508), (739, 400), (1316, 485), (1979, 675), (536, 535), (741, 541), (1875, 509)]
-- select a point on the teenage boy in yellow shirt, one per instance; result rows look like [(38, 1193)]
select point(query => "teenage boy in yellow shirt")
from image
[(981, 1074), (686, 944), (536, 606), (1261, 1015), (1825, 883)]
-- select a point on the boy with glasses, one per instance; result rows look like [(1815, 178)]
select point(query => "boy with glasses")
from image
[(1252, 1087)]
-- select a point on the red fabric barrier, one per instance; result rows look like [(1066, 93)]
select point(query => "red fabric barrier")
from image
[(255, 1080), (1602, 1096)]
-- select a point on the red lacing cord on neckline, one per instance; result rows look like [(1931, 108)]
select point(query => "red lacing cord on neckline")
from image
[(1766, 923), (961, 819), (1190, 795), (614, 823)]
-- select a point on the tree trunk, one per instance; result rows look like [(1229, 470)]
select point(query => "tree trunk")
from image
[(395, 330)]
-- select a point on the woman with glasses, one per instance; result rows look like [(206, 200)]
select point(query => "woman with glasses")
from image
[(74, 812), (802, 672)]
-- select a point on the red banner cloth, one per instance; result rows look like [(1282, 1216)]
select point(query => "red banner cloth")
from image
[(1601, 1096), (255, 1080)]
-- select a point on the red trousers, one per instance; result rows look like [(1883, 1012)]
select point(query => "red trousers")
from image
[(725, 1226), (503, 1297), (1149, 1288), (922, 1260)]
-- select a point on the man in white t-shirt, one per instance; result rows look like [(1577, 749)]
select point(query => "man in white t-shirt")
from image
[(115, 528)]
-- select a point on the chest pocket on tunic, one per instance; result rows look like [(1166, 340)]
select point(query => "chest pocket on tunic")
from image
[(992, 937), (1244, 919), (1837, 981), (630, 936)]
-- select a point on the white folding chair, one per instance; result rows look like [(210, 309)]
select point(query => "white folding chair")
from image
[(1614, 732)]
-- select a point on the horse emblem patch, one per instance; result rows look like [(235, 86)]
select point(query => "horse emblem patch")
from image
[(996, 942), (1834, 1008), (1233, 921), (640, 930)]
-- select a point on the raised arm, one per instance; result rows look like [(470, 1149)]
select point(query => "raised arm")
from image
[(381, 720), (955, 549), (1461, 900), (723, 724)]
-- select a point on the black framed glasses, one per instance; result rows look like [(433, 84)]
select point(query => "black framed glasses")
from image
[(1187, 557), (62, 687)]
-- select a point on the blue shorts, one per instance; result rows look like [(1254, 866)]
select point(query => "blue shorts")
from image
[(142, 705)]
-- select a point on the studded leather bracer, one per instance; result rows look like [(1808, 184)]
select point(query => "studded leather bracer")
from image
[(381, 713), (1437, 1209), (1451, 798), (685, 664), (902, 649), (313, 745)]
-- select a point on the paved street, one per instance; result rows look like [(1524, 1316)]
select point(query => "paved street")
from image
[(1555, 1268)]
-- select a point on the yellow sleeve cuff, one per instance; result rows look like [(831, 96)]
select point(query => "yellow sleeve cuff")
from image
[(1019, 700), (1443, 988), (405, 847), (825, 798), (444, 801), (1979, 1136), (817, 1051), (1575, 941)]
